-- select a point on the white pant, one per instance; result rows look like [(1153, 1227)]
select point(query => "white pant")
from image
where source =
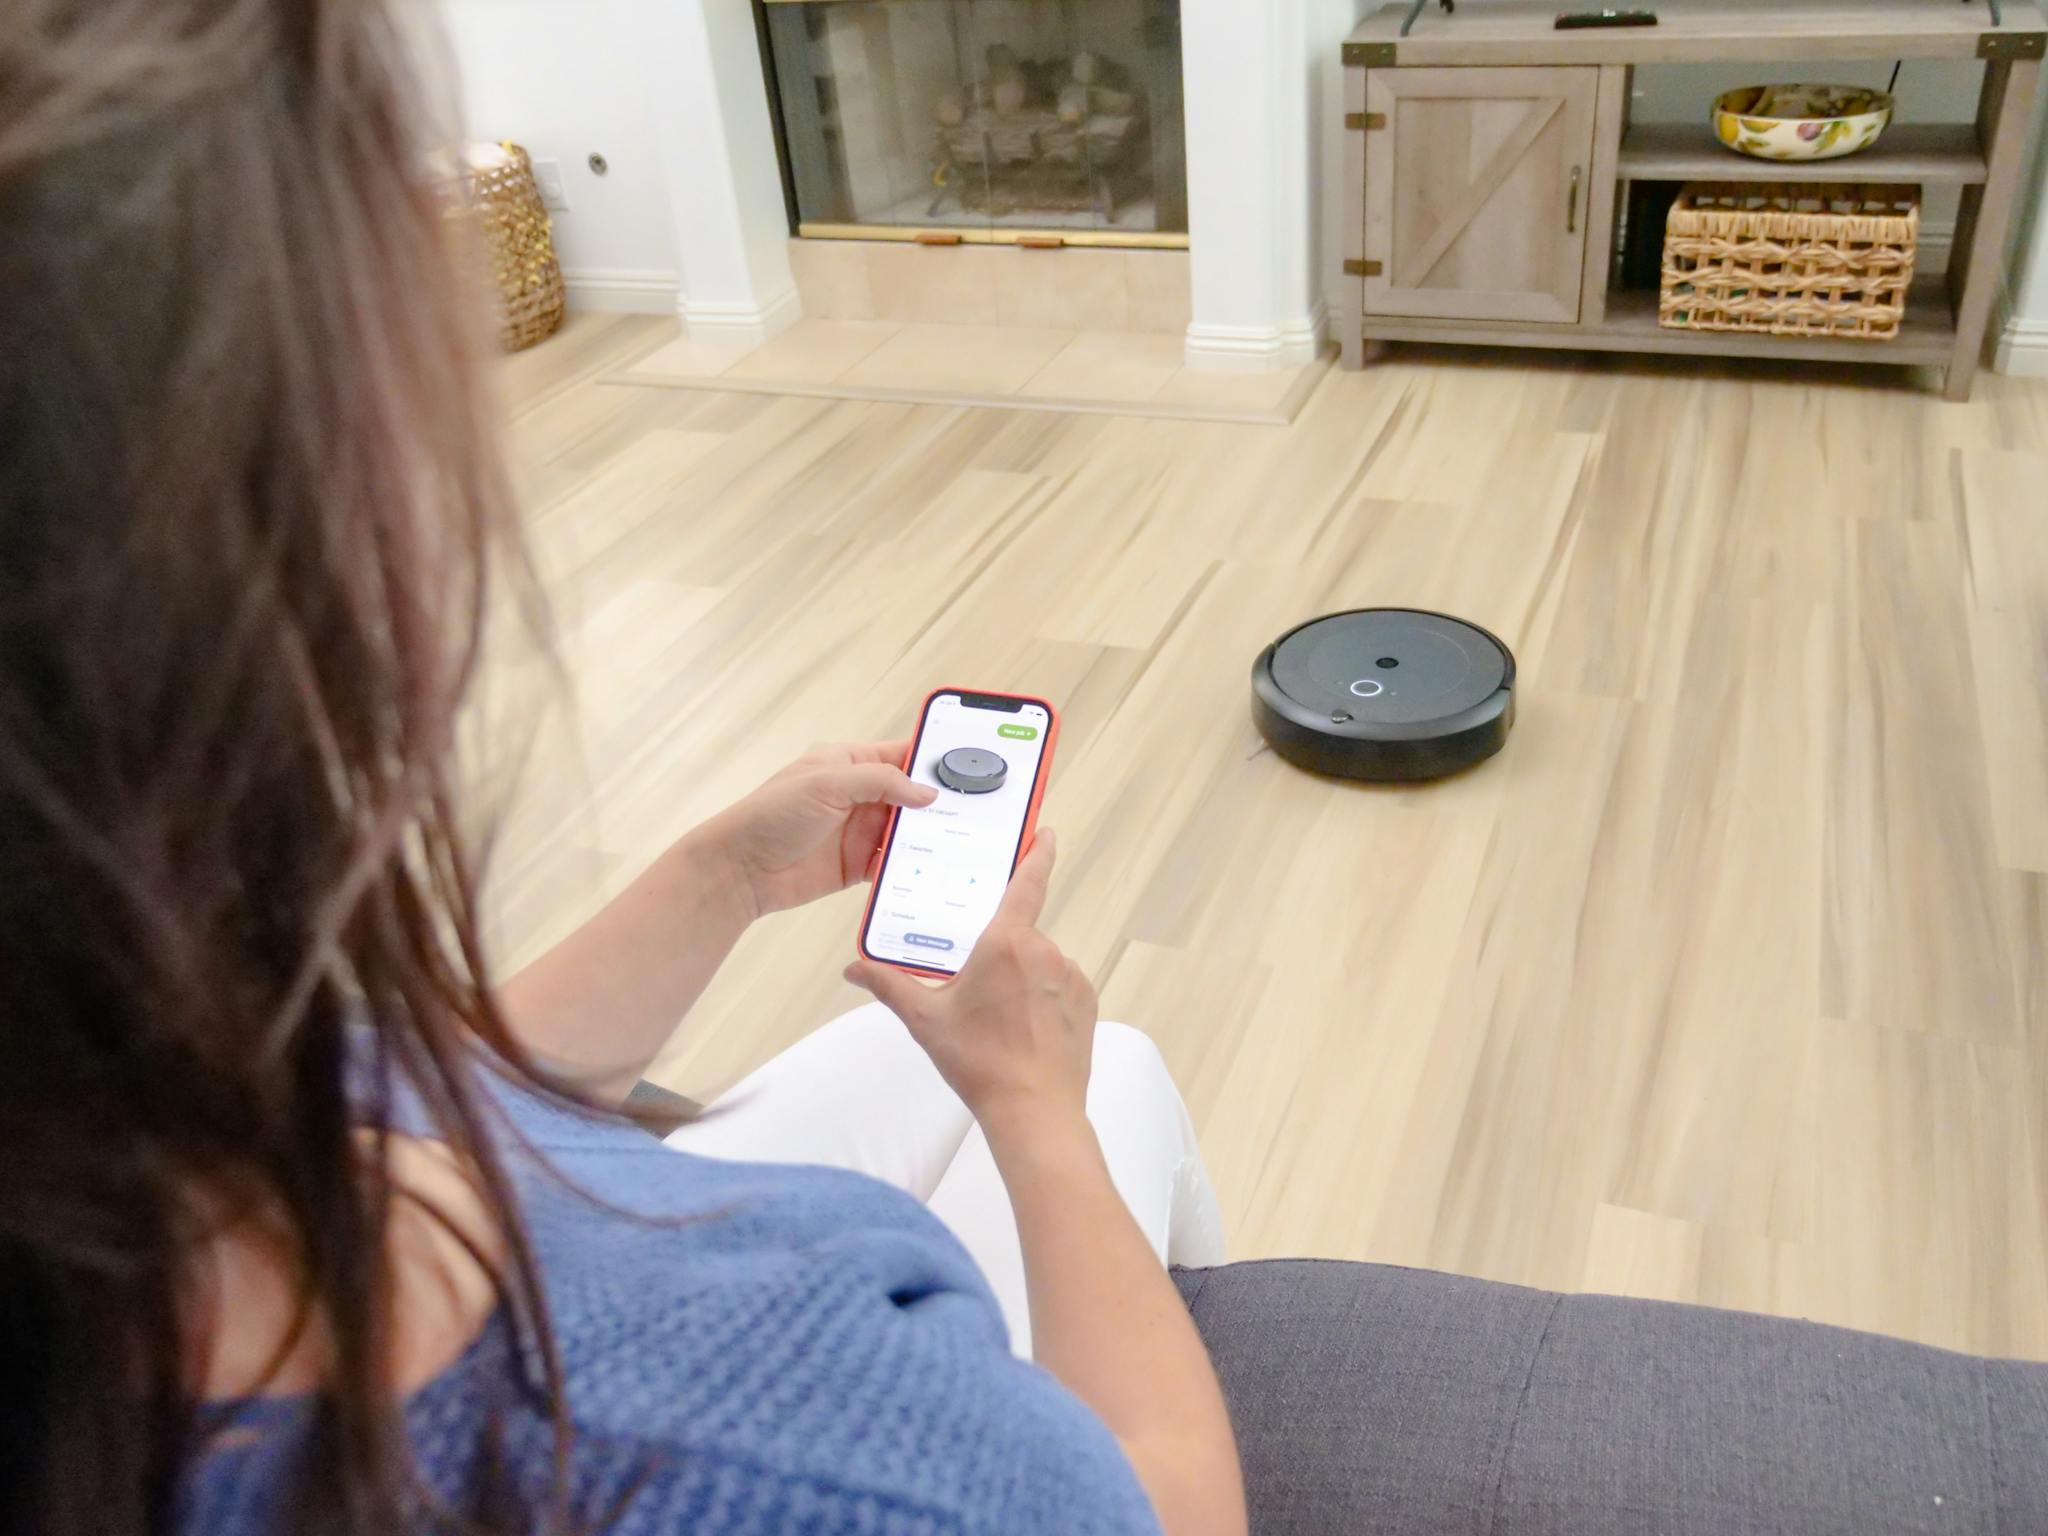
[(860, 1094)]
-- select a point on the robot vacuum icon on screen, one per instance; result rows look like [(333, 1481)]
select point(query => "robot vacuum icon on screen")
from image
[(972, 770)]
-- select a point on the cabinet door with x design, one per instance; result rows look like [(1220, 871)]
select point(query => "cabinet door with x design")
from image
[(1475, 191)]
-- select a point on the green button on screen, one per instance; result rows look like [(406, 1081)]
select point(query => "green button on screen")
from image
[(1018, 732)]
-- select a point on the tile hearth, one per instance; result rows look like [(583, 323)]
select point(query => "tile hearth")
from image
[(1077, 288)]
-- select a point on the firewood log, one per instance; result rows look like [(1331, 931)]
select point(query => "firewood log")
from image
[(1006, 94), (1007, 91)]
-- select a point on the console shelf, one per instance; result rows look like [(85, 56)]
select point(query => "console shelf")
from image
[(1515, 246), (1928, 153)]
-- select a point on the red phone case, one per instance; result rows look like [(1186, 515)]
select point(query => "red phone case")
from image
[(1052, 740)]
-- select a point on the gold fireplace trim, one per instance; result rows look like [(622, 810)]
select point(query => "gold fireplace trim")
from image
[(946, 234)]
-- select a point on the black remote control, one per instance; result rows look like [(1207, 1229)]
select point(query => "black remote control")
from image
[(1568, 21)]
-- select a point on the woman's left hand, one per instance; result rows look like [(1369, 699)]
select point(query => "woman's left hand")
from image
[(813, 828)]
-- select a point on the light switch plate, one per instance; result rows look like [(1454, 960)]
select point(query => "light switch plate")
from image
[(547, 174)]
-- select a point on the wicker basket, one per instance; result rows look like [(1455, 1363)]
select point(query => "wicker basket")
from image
[(1802, 259), (495, 192)]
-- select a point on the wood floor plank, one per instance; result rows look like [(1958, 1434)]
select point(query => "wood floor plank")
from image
[(2002, 516), (1129, 789), (1636, 521), (586, 345), (1916, 936), (1930, 1217), (1509, 1138), (1638, 1253), (1725, 807)]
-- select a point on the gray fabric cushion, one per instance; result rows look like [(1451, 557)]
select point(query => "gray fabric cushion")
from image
[(2016, 1403), (1369, 1399)]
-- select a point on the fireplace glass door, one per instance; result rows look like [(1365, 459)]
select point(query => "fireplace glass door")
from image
[(987, 119)]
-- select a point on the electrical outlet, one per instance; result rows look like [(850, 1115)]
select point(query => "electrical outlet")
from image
[(548, 175)]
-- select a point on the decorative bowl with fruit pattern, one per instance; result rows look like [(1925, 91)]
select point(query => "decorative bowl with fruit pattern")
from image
[(1800, 122)]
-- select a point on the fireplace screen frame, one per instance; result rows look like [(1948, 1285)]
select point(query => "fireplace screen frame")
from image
[(986, 232)]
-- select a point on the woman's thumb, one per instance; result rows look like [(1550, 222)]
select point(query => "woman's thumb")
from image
[(880, 784), (898, 991)]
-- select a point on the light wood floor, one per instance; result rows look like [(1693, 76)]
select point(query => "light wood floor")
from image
[(1139, 373), (1727, 980)]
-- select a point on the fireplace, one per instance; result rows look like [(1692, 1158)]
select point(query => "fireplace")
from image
[(981, 121)]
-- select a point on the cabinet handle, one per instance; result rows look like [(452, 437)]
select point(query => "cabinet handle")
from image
[(1571, 204)]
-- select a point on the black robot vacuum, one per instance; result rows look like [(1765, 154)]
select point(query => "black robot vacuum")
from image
[(1385, 693)]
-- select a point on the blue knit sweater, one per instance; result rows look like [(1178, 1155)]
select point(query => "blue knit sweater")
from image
[(810, 1351)]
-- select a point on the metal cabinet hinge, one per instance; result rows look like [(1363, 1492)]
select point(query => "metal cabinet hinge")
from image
[(1367, 121), (2012, 45), (1371, 55), (1362, 269)]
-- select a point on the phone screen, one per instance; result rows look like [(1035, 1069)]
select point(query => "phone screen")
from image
[(946, 865)]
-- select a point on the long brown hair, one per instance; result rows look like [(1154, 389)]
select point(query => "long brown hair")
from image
[(247, 491)]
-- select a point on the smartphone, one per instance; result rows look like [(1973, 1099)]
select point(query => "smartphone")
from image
[(943, 868)]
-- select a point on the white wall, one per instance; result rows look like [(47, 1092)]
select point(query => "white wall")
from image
[(567, 78), (2023, 346)]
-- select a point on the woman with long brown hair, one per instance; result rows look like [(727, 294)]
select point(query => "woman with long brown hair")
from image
[(306, 1224)]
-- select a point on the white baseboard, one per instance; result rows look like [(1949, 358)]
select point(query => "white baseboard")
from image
[(1257, 348), (621, 290), (2019, 342), (729, 323), (2022, 349)]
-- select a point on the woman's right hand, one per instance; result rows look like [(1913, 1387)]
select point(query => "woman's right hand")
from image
[(1014, 1032)]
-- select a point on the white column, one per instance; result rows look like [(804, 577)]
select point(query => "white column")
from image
[(1251, 88), (2023, 339), (710, 102)]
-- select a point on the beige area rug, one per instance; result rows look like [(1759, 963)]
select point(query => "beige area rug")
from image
[(1007, 367)]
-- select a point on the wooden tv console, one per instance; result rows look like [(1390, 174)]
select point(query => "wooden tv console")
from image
[(1493, 138)]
